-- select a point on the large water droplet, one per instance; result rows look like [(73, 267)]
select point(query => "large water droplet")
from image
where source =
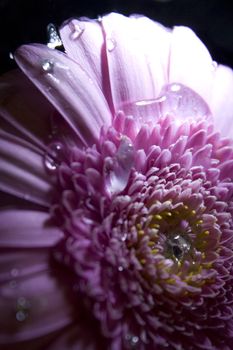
[(53, 37), (183, 103), (118, 174), (176, 247), (47, 66), (54, 156), (111, 44), (77, 30), (175, 99)]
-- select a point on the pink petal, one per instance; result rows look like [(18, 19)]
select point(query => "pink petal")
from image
[(27, 229), (190, 62), (137, 52), (222, 101), (22, 170), (83, 42), (35, 308), (79, 337), (68, 87), (24, 107)]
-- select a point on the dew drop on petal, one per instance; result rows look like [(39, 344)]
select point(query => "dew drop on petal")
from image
[(120, 268), (175, 99), (21, 316), (214, 66), (53, 37), (118, 174), (111, 44), (22, 309), (47, 65), (77, 30), (53, 156), (14, 272), (182, 102), (13, 284)]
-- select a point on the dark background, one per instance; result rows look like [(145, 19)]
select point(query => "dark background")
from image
[(25, 21)]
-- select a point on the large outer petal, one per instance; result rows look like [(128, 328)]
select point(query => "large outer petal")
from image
[(222, 100), (27, 283), (137, 51), (22, 170), (47, 308), (27, 229), (84, 42), (190, 62), (68, 87), (23, 107)]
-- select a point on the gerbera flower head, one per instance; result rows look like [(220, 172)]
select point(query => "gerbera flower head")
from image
[(123, 228)]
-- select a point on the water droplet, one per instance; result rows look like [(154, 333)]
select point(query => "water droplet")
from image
[(132, 340), (120, 268), (47, 65), (123, 237), (53, 37), (14, 272), (183, 102), (175, 99), (54, 156), (77, 30), (13, 284), (22, 307), (111, 44), (176, 247), (21, 316), (119, 171), (50, 164), (214, 66), (11, 56)]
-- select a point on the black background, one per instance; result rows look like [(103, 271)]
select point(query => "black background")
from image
[(25, 21)]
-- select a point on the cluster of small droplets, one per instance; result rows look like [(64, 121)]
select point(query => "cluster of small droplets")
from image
[(23, 306)]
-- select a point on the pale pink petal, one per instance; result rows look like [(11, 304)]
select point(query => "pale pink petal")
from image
[(27, 229), (29, 116), (222, 100), (81, 337), (22, 170), (83, 42), (36, 306), (190, 62), (68, 87), (135, 58), (19, 262)]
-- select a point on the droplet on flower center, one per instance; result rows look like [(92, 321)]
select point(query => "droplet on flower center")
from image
[(176, 247)]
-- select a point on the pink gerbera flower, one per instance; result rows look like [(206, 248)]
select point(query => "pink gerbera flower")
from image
[(116, 172)]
